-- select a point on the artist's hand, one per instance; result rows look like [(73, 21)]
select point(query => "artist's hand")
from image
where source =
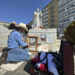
[(25, 47)]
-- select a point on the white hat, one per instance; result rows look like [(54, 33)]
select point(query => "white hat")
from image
[(22, 25)]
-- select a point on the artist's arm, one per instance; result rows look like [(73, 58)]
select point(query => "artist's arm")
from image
[(19, 41)]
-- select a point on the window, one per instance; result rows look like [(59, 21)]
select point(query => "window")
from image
[(71, 12), (65, 20)]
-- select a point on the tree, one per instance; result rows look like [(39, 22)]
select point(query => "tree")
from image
[(69, 33)]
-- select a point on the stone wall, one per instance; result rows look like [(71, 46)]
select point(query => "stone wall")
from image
[(4, 32)]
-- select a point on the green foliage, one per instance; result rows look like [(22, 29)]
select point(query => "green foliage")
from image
[(69, 33)]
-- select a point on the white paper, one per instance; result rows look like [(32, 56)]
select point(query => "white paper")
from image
[(49, 38)]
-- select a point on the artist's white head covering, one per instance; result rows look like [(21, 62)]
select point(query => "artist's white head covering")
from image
[(22, 25)]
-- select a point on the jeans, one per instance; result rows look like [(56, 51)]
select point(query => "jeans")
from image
[(17, 55)]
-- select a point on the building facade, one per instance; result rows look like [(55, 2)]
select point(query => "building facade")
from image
[(50, 14), (66, 14), (53, 13), (45, 16)]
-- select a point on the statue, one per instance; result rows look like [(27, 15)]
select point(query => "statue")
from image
[(37, 21)]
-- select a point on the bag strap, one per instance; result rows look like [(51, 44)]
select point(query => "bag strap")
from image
[(44, 57), (47, 61)]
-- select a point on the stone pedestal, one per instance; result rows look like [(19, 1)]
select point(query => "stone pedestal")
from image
[(52, 33)]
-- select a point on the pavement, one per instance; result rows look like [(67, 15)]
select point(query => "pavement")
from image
[(21, 70)]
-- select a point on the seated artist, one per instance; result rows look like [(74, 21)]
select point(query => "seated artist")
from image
[(18, 49)]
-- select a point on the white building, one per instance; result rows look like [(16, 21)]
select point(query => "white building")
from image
[(45, 16), (49, 12), (66, 14)]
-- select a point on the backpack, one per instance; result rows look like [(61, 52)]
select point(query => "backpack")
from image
[(44, 66)]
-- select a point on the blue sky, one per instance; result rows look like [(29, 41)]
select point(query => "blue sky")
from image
[(20, 10)]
